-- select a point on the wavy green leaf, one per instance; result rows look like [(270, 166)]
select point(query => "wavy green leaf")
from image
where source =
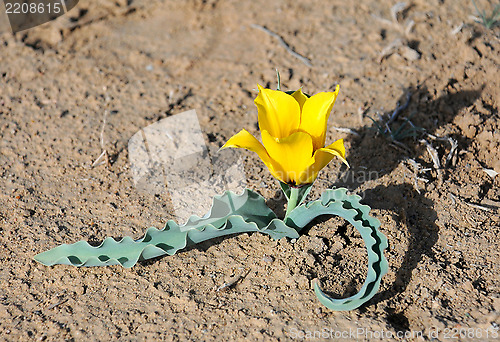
[(338, 202), (233, 214), (230, 214)]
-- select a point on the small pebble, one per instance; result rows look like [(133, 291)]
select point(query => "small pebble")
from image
[(409, 54), (268, 258), (28, 212)]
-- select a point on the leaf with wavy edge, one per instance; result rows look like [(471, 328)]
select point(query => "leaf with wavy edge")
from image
[(338, 202), (230, 214)]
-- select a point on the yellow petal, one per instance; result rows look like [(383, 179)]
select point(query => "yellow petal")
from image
[(315, 115), (279, 113), (322, 157), (299, 96), (245, 140), (291, 155)]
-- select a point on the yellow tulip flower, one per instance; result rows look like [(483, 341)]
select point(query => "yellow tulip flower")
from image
[(293, 129)]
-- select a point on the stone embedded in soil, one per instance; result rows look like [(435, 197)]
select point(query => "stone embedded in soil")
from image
[(44, 37)]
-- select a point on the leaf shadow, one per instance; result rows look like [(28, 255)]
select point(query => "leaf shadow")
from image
[(202, 247), (412, 210), (416, 216)]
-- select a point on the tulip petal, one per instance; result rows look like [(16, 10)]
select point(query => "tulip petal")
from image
[(243, 139), (279, 113), (315, 115), (291, 155), (300, 97), (323, 156)]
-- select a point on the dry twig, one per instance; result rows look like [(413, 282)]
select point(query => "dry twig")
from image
[(433, 153), (346, 130), (490, 206), (453, 149), (101, 141), (57, 304), (397, 9), (398, 110), (454, 145), (282, 42), (231, 282)]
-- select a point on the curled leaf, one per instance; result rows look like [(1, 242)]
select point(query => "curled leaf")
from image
[(338, 202)]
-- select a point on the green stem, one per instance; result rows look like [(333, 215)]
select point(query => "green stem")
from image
[(292, 201)]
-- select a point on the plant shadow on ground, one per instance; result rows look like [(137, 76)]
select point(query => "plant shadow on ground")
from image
[(202, 247), (413, 211)]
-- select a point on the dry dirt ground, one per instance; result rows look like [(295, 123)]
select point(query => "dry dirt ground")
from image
[(143, 61)]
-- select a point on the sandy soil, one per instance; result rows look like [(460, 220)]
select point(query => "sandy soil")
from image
[(143, 61)]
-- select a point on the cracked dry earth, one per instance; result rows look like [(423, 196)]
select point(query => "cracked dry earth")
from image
[(143, 61)]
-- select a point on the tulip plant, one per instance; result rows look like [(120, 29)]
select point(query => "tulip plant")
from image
[(293, 130)]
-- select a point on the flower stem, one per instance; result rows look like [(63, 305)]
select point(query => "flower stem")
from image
[(293, 200)]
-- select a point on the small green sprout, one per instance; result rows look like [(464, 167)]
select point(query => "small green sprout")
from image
[(398, 133), (488, 21), (394, 133)]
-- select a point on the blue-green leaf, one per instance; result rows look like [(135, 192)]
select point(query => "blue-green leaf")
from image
[(338, 202), (230, 214)]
